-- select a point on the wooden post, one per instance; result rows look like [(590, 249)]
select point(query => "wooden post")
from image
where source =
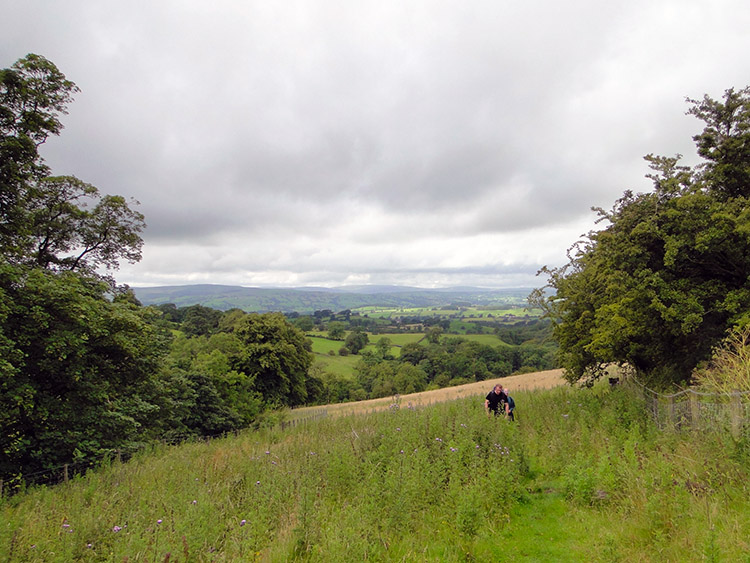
[(119, 456), (736, 414), (695, 413), (670, 411), (65, 472)]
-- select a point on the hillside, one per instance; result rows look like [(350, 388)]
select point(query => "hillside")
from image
[(307, 300)]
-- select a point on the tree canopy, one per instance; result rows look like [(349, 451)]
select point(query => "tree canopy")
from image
[(661, 284)]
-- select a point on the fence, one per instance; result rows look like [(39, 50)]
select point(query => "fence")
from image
[(697, 410)]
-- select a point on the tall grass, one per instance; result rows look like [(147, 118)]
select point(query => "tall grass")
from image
[(729, 369), (582, 475)]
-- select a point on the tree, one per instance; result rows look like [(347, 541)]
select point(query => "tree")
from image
[(58, 222), (77, 368), (33, 95), (277, 355), (79, 356), (666, 279), (336, 330), (356, 341)]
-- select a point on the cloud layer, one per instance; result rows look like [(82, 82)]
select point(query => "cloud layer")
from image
[(429, 143)]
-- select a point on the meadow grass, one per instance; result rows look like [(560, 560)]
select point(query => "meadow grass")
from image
[(583, 475)]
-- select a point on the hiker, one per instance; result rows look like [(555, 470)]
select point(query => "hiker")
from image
[(496, 401), (510, 405)]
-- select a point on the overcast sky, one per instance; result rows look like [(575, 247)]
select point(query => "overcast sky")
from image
[(425, 143)]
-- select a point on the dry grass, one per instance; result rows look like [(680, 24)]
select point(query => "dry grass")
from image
[(526, 381)]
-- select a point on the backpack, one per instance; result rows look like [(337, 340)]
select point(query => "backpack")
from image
[(511, 403)]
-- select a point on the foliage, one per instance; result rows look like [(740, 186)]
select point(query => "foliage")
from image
[(356, 341), (729, 368), (77, 368), (660, 285), (277, 355), (46, 221)]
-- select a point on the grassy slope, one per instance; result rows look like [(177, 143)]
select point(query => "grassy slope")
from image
[(582, 476)]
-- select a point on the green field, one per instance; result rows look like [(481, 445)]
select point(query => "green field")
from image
[(514, 313), (343, 366), (583, 475)]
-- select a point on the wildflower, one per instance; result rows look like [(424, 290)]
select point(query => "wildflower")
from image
[(243, 522), (438, 440), (454, 449), (116, 529), (66, 525), (268, 453), (273, 463), (477, 446), (398, 429), (90, 545), (195, 502), (463, 425), (566, 415), (158, 521), (402, 451), (257, 482)]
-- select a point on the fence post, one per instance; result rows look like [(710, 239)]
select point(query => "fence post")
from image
[(695, 413), (65, 472), (670, 411), (736, 413)]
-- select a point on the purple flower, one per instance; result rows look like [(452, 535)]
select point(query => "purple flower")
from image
[(158, 521), (257, 482), (116, 529), (195, 502), (243, 522), (438, 440), (454, 449), (268, 453)]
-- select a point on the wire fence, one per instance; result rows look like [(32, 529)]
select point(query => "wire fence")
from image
[(697, 410), (67, 471)]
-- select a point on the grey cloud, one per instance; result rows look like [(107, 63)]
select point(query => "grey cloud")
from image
[(326, 139)]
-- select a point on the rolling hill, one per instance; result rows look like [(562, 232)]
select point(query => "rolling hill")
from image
[(309, 299)]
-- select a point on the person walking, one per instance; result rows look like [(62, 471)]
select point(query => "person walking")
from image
[(496, 401), (510, 405)]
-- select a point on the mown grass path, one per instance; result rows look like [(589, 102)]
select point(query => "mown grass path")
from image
[(523, 382)]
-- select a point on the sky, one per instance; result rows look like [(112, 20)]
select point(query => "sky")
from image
[(328, 143)]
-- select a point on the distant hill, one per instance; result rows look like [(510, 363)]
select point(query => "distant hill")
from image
[(309, 299)]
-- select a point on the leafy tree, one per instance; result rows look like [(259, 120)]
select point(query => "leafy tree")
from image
[(277, 355), (53, 222), (79, 356), (383, 347), (336, 330), (356, 341), (304, 323), (659, 287), (33, 95), (77, 368), (199, 320)]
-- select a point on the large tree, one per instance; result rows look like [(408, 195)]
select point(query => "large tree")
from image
[(59, 222), (77, 355), (659, 286), (277, 355)]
